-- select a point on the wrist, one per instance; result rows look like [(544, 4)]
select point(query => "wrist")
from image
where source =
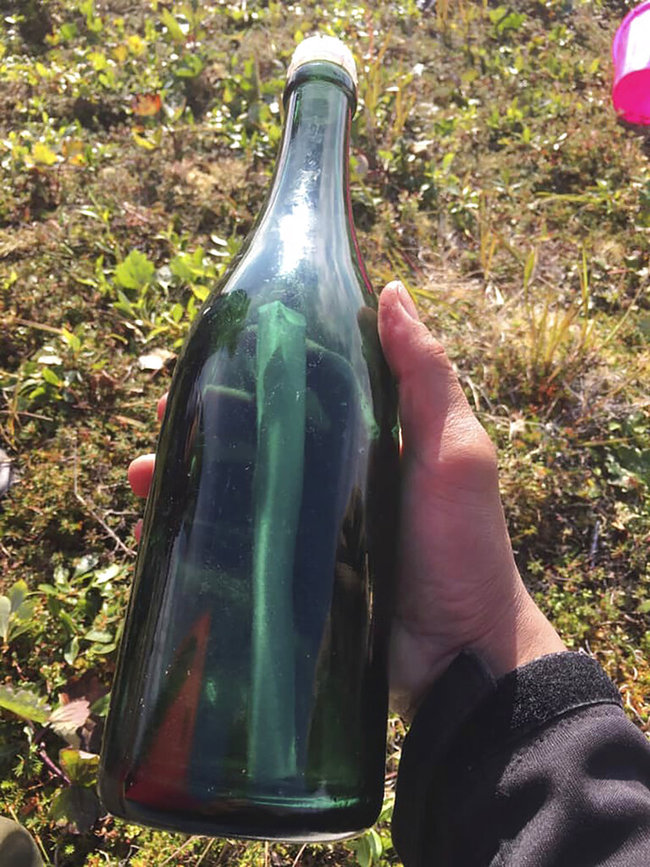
[(520, 636)]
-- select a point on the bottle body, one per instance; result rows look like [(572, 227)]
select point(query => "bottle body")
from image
[(251, 693)]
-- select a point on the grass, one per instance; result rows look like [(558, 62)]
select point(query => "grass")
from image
[(489, 174)]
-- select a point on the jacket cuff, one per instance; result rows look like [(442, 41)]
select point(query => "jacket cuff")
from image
[(468, 712), (529, 697)]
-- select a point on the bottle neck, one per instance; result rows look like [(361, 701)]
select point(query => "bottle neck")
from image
[(309, 203)]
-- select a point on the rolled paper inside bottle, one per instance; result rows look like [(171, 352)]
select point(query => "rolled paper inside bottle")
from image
[(281, 390)]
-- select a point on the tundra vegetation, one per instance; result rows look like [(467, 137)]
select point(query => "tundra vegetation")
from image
[(489, 174)]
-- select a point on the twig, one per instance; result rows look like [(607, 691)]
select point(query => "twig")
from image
[(42, 752), (93, 513), (475, 392), (204, 853), (120, 512), (15, 320), (178, 851), (39, 842), (26, 414), (55, 769), (10, 440), (593, 548), (299, 855), (227, 845)]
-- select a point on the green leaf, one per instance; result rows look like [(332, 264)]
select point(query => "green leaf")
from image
[(135, 272), (24, 703), (78, 805), (124, 305), (67, 31), (61, 576), (376, 845), (21, 614), (189, 66), (71, 650), (50, 377), (447, 160), (17, 595), (103, 649), (505, 19), (101, 636), (200, 292), (85, 565), (18, 628), (71, 339), (81, 767), (149, 144), (173, 27), (182, 267), (368, 848), (26, 610), (68, 623), (93, 22), (107, 574), (100, 707), (98, 60)]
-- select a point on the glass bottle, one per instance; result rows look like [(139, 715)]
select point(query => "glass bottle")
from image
[(251, 692)]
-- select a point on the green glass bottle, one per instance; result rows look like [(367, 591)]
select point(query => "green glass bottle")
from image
[(251, 693)]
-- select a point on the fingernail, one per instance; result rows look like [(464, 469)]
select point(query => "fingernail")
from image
[(408, 305)]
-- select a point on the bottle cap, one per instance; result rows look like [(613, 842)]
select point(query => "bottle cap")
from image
[(323, 48)]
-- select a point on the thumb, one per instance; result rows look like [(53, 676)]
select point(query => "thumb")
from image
[(439, 428)]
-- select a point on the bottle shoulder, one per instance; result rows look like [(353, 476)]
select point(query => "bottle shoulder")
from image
[(330, 294), (338, 344)]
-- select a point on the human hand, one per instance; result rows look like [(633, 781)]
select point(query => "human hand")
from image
[(457, 586)]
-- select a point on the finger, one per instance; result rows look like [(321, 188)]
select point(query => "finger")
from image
[(140, 474), (438, 425), (428, 386), (137, 530), (162, 404)]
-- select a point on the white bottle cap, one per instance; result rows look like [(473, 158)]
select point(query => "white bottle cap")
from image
[(323, 48)]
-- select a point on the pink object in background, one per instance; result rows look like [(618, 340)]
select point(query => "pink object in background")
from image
[(631, 56)]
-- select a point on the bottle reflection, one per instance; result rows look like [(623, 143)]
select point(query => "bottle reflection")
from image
[(162, 777)]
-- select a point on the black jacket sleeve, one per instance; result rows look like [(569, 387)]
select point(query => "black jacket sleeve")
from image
[(539, 769)]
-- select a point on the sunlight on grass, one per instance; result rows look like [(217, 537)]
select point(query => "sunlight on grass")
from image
[(489, 174)]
